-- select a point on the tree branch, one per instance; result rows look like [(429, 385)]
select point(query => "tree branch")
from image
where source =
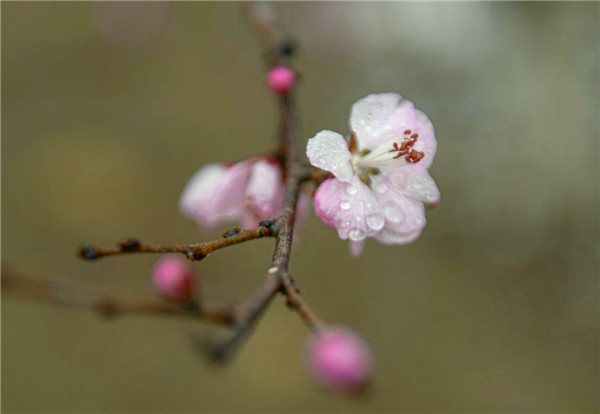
[(277, 50), (197, 251), (277, 279), (106, 305)]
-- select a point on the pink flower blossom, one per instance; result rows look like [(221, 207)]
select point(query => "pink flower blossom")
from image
[(247, 192), (173, 277), (380, 179), (339, 359)]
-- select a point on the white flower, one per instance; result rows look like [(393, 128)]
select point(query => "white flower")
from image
[(381, 179)]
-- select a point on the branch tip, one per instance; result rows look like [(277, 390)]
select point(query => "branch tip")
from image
[(88, 253)]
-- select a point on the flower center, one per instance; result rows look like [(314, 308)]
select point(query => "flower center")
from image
[(391, 154)]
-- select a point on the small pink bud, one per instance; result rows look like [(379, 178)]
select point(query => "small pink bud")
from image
[(340, 359), (281, 79), (173, 277)]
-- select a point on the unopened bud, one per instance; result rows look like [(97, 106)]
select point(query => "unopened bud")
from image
[(281, 79), (173, 277), (339, 359)]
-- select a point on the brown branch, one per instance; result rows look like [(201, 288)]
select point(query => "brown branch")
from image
[(277, 50), (197, 251), (277, 278), (106, 305), (295, 302)]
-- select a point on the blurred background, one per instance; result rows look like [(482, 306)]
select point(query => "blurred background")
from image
[(108, 108)]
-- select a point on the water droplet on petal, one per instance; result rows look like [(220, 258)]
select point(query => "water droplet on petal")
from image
[(351, 190), (381, 188), (375, 221), (417, 185), (344, 205), (356, 234), (392, 213)]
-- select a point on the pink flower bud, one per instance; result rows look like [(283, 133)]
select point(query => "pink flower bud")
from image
[(173, 277), (281, 79), (339, 359)]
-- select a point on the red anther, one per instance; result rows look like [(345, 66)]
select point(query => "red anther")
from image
[(405, 148), (414, 157)]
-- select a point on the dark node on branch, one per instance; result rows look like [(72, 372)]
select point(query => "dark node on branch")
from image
[(231, 232), (129, 245), (292, 304), (194, 255), (288, 48), (269, 225), (107, 308), (87, 253)]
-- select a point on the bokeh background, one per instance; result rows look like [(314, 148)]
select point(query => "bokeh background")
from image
[(108, 108)]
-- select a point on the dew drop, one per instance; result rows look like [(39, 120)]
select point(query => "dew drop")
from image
[(417, 185), (392, 213), (375, 221), (381, 188), (356, 234), (351, 190), (344, 205)]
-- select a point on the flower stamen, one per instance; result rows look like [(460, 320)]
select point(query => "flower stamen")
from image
[(405, 149)]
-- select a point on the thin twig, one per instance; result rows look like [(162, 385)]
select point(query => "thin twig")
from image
[(297, 303), (106, 305), (196, 251)]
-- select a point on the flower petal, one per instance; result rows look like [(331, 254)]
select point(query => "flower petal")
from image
[(415, 183), (357, 247), (404, 216), (351, 208), (426, 142), (389, 236), (200, 188), (227, 201), (380, 118), (328, 150), (264, 192)]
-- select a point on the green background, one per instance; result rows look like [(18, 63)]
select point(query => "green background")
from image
[(107, 109)]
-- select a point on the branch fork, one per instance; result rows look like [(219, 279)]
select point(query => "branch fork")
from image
[(277, 50)]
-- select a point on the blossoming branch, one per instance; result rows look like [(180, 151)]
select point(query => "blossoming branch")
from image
[(374, 183)]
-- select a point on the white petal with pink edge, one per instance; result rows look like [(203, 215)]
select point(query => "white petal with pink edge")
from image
[(380, 118), (415, 183), (328, 150), (349, 207), (264, 191), (200, 188), (404, 217), (426, 143), (227, 201)]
